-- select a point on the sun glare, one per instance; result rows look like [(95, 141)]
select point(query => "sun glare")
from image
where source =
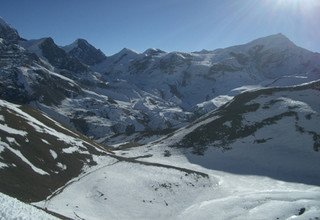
[(302, 4)]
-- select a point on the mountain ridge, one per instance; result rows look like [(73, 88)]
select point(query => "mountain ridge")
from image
[(189, 82)]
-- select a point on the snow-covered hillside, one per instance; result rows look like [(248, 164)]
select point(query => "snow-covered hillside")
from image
[(133, 191), (269, 132), (37, 154), (11, 208), (257, 156)]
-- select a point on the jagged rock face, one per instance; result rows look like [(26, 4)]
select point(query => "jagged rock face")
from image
[(85, 52), (24, 78), (58, 57), (8, 33), (12, 58), (12, 55)]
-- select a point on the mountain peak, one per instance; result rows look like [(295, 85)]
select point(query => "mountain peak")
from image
[(3, 23), (85, 52), (82, 43), (81, 40), (153, 51), (48, 40), (77, 43), (275, 40), (7, 32), (127, 51)]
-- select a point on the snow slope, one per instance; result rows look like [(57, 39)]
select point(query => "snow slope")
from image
[(117, 190), (254, 173), (39, 152), (282, 124), (11, 208), (123, 190)]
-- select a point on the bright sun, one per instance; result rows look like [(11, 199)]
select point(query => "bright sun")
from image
[(298, 4)]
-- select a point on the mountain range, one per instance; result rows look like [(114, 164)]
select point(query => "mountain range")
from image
[(232, 133)]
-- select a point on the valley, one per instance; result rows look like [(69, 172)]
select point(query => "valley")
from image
[(230, 133)]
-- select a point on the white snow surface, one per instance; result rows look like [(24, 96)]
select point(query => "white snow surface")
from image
[(11, 208), (53, 154), (10, 130), (121, 190)]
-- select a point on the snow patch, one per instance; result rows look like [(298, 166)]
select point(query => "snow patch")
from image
[(53, 154), (44, 141), (61, 166), (18, 153), (3, 165), (221, 100), (13, 131), (70, 150), (11, 140)]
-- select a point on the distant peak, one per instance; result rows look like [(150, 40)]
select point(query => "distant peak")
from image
[(47, 41), (276, 36), (153, 51), (82, 42), (82, 50), (127, 50), (3, 23), (275, 40), (7, 32)]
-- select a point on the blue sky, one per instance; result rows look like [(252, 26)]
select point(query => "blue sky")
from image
[(171, 25)]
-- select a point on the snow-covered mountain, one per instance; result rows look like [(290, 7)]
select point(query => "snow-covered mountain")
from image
[(46, 49), (188, 79), (8, 33), (147, 92), (229, 134), (255, 154), (40, 73), (85, 52)]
